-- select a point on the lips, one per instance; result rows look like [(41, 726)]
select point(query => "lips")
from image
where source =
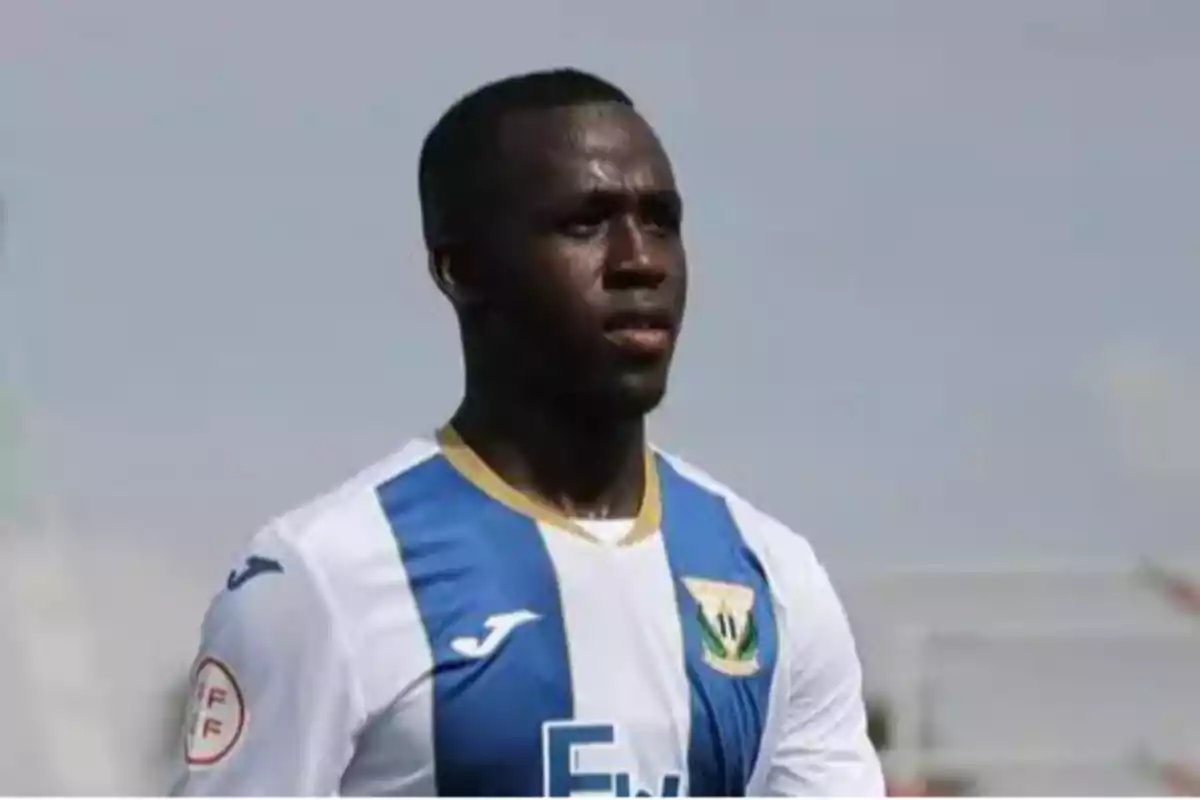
[(640, 319), (645, 331)]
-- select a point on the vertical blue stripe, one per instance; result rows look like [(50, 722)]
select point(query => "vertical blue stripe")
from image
[(469, 557), (728, 713)]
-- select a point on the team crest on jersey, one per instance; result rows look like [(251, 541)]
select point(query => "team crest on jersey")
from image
[(728, 632)]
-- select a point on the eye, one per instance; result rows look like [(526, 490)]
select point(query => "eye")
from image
[(661, 216), (584, 225), (661, 224)]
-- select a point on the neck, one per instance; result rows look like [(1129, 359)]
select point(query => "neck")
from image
[(587, 467)]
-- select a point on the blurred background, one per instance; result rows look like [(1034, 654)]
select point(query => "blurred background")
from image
[(944, 322)]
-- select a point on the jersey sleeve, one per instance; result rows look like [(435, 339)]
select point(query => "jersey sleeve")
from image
[(824, 749), (274, 707)]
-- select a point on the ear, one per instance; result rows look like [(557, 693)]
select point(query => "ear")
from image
[(452, 271)]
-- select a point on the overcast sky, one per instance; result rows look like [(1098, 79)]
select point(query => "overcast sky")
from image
[(945, 256), (945, 262)]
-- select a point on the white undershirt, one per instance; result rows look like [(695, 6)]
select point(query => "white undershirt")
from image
[(609, 531)]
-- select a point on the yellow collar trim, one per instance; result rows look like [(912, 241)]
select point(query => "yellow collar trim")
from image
[(468, 463)]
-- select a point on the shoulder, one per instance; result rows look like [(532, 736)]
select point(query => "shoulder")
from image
[(323, 547), (340, 528), (335, 523), (765, 534)]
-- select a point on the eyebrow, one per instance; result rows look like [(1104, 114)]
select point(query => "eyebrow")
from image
[(670, 198)]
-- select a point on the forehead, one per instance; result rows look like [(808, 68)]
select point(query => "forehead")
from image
[(586, 148)]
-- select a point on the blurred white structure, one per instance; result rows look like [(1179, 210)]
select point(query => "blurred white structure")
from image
[(1048, 680), (58, 726)]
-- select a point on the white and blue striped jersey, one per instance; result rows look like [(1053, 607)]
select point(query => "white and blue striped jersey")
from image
[(428, 630)]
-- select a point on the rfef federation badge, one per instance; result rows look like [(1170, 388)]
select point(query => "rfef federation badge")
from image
[(216, 714)]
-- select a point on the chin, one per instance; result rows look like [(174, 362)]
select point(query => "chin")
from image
[(636, 395), (621, 394)]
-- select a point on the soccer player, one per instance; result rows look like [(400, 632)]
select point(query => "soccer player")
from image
[(534, 601)]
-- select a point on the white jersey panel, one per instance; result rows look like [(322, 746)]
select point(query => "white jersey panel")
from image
[(354, 542), (626, 657)]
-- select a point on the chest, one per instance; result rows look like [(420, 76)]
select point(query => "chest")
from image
[(560, 666)]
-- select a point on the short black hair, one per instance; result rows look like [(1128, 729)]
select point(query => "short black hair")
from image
[(454, 156)]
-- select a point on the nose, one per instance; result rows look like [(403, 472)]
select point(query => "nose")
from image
[(632, 263)]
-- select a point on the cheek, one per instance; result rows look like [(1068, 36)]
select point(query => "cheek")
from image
[(545, 310), (565, 282)]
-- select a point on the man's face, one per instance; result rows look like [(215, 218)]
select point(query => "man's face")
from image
[(587, 276)]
